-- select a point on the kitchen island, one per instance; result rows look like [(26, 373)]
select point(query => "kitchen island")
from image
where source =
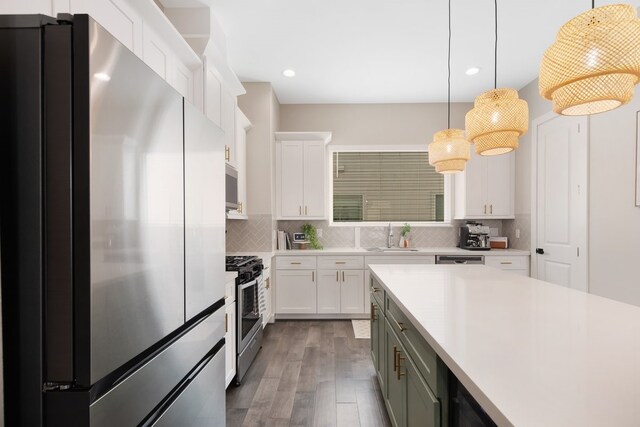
[(531, 353)]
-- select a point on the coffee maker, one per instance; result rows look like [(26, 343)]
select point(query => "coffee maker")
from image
[(474, 237)]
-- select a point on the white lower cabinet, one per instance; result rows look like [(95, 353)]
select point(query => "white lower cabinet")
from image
[(341, 291), (230, 332), (296, 292), (513, 264)]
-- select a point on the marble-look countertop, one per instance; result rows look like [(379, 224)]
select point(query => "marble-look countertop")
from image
[(531, 353)]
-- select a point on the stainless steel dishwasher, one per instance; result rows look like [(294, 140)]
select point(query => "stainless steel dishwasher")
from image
[(459, 259)]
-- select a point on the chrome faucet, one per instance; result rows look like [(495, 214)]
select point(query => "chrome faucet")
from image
[(390, 235)]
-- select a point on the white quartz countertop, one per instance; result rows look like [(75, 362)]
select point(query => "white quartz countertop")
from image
[(530, 352), (418, 251)]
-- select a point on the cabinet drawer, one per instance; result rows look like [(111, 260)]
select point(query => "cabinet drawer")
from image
[(341, 262), (507, 262), (400, 259), (295, 262), (419, 350), (378, 292)]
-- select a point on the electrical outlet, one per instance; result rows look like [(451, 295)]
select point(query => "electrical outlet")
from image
[(517, 233), (319, 232)]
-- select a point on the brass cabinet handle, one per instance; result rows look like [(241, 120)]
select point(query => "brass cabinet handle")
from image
[(373, 313), (305, 210), (313, 276), (399, 372), (240, 207), (485, 209), (300, 210), (506, 262), (341, 262), (343, 276), (337, 276), (491, 209), (375, 289), (227, 153), (226, 323), (295, 263), (400, 325), (395, 358)]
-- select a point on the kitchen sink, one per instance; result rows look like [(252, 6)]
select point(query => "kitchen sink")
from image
[(392, 250)]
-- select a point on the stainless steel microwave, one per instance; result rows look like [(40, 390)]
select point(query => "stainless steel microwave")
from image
[(231, 188)]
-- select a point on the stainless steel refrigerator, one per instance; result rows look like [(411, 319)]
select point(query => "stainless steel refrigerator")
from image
[(112, 235)]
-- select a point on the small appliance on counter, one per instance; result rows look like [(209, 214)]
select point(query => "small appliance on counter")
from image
[(250, 297), (474, 237), (499, 242)]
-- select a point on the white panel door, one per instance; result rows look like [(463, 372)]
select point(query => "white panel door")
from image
[(292, 185), (296, 291), (314, 178), (500, 185), (352, 291), (329, 283), (561, 196)]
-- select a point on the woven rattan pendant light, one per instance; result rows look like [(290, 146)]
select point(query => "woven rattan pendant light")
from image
[(594, 64), (498, 117), (449, 150)]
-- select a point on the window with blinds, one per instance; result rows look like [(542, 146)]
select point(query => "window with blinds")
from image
[(386, 186)]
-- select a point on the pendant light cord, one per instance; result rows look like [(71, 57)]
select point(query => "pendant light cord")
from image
[(495, 48), (449, 74)]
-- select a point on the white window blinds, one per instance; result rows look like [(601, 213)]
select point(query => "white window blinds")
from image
[(386, 186)]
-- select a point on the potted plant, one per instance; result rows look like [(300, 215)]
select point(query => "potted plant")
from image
[(311, 235), (404, 235)]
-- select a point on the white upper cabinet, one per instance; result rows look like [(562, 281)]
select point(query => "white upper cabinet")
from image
[(486, 188), (301, 175), (243, 125), (229, 128), (213, 96)]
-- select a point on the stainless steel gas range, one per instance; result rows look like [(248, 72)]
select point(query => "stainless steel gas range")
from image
[(249, 319)]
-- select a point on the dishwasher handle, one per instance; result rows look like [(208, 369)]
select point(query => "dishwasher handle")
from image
[(460, 259)]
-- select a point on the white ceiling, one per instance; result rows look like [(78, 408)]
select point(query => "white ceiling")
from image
[(388, 51)]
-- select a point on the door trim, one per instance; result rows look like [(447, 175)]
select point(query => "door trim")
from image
[(586, 122)]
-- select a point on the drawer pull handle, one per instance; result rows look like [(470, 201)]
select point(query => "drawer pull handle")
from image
[(375, 289), (506, 262), (305, 210), (343, 276), (313, 276), (373, 313), (397, 367), (400, 326), (226, 323), (341, 262), (296, 263), (337, 276)]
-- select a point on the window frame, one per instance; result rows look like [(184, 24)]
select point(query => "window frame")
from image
[(448, 187)]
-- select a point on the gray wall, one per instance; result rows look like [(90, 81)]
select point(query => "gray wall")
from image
[(614, 221), (377, 124)]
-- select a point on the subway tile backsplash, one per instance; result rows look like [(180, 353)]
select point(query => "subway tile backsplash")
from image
[(420, 237)]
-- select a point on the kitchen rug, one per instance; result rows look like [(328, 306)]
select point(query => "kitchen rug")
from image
[(361, 329)]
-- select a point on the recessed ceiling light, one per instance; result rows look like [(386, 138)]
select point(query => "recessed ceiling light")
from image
[(288, 72), (472, 71), (102, 76)]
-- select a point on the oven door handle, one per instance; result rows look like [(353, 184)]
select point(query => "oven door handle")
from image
[(248, 285)]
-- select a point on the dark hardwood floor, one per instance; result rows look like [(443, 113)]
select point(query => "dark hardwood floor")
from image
[(309, 373)]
